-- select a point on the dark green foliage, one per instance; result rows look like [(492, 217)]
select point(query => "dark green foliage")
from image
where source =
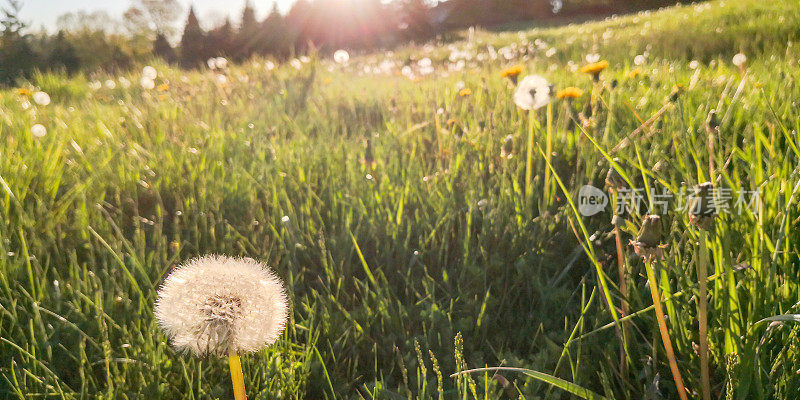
[(193, 49), (163, 49)]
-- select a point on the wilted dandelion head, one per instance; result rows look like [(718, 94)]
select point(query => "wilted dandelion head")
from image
[(533, 93), (648, 243), (507, 151), (218, 305), (702, 209)]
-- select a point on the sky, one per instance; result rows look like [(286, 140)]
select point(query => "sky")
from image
[(38, 13)]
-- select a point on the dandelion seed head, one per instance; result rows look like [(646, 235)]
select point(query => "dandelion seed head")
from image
[(38, 130), (533, 92), (341, 56), (41, 98), (739, 59), (218, 305), (147, 83), (149, 73)]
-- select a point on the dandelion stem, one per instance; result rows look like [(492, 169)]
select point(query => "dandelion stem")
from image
[(702, 304), (549, 148), (662, 327), (236, 377), (529, 157)]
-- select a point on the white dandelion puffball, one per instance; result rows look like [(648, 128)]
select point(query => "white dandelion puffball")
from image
[(739, 59), (41, 98), (149, 73), (533, 92), (639, 60), (212, 63), (218, 305), (147, 83), (38, 130), (221, 62), (341, 56)]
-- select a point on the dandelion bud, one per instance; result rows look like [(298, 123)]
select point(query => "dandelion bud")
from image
[(676, 91), (369, 156), (648, 244), (712, 121), (701, 206), (614, 180), (508, 147)]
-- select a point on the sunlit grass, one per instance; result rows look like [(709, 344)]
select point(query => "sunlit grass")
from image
[(387, 262)]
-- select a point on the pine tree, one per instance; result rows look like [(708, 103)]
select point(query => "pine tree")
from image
[(273, 34), (221, 40), (247, 42), (63, 54), (18, 58), (162, 48), (193, 50), (417, 20)]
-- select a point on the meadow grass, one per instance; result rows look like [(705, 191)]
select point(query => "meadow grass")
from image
[(431, 260)]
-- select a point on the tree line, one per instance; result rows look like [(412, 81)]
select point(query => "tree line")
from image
[(95, 41)]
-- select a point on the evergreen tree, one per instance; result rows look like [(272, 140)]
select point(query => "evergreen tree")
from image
[(162, 48), (299, 25), (193, 50), (247, 42), (62, 54), (273, 35), (17, 58), (221, 40), (416, 19)]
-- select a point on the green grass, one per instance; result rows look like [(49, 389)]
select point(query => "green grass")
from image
[(433, 261)]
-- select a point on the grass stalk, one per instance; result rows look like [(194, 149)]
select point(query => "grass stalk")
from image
[(623, 290), (662, 327)]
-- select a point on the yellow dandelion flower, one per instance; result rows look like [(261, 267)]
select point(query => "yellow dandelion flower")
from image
[(569, 93), (464, 92), (24, 92), (636, 72), (511, 72), (594, 69), (163, 87)]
